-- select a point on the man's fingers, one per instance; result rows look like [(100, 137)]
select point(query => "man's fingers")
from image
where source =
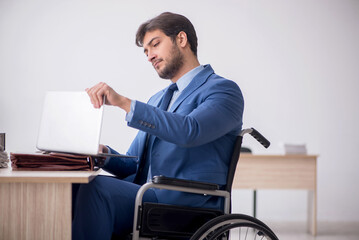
[(88, 90), (93, 99), (100, 95), (96, 94)]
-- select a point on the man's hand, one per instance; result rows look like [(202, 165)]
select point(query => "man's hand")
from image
[(102, 149), (100, 90)]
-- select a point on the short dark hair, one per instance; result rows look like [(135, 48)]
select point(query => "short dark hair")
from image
[(170, 24)]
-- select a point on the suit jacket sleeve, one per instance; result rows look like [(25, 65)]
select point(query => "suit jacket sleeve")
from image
[(121, 167), (211, 111)]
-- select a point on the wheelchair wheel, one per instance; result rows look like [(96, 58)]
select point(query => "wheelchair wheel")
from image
[(234, 226)]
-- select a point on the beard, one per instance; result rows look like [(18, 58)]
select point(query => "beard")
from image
[(174, 64)]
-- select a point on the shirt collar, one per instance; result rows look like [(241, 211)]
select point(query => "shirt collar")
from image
[(183, 82)]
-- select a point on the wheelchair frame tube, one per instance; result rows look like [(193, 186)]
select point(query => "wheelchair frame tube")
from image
[(145, 187)]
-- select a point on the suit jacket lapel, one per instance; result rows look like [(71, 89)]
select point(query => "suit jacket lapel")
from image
[(196, 82)]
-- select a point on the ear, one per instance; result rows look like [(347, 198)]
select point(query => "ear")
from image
[(182, 40)]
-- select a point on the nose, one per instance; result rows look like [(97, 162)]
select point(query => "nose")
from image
[(151, 56)]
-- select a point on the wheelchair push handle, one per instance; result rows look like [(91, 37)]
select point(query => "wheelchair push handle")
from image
[(257, 135), (260, 138)]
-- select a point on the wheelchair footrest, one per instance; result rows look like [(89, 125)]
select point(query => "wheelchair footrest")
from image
[(173, 222)]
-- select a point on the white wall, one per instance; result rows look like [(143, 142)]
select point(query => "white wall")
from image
[(296, 62)]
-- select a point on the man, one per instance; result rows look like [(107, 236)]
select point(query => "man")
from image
[(191, 137)]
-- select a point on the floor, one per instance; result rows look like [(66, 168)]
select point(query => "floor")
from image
[(326, 231)]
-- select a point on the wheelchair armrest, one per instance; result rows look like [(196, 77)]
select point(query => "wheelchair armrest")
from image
[(184, 183)]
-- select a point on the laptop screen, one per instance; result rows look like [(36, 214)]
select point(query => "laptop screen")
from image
[(69, 124)]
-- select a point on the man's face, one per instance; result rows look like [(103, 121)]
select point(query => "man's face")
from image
[(165, 55)]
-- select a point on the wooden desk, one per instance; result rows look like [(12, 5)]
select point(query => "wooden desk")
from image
[(281, 172), (37, 204)]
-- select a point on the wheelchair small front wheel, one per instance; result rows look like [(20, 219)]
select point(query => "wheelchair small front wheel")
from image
[(234, 226)]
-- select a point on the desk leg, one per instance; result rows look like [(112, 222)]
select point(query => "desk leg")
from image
[(312, 212), (35, 211)]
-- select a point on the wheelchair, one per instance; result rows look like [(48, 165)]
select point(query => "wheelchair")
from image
[(162, 221)]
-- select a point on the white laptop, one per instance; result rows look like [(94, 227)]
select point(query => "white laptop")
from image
[(70, 124)]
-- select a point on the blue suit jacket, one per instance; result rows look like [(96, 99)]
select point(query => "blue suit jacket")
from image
[(194, 138)]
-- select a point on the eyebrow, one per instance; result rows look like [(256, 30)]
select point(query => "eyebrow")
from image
[(149, 43)]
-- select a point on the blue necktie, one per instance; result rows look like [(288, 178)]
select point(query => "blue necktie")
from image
[(141, 176), (168, 96)]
